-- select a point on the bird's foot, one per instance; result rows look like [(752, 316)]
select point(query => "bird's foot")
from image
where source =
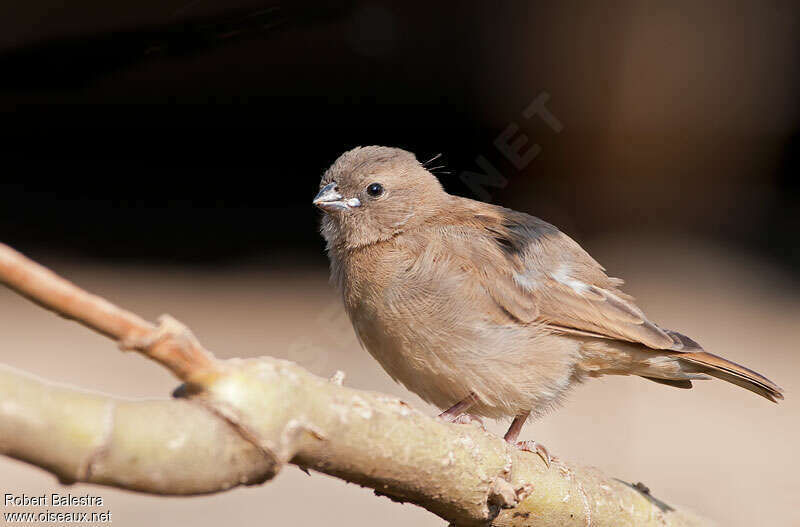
[(460, 419), (536, 448), (467, 419)]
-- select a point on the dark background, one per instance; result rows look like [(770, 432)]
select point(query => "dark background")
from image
[(196, 132)]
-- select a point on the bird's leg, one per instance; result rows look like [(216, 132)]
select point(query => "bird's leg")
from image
[(515, 428), (530, 446), (453, 413)]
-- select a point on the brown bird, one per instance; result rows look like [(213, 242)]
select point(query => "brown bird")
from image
[(483, 310)]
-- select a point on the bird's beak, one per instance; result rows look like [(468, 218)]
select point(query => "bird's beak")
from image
[(329, 199)]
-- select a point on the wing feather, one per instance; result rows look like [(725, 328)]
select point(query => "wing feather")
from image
[(540, 274)]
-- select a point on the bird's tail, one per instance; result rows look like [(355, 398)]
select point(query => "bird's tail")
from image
[(731, 372)]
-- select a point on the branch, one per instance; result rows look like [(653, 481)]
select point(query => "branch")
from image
[(160, 447), (170, 343), (243, 422)]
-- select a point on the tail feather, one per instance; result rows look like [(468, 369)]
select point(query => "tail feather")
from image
[(737, 374), (684, 384)]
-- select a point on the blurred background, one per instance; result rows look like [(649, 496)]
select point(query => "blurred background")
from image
[(164, 154)]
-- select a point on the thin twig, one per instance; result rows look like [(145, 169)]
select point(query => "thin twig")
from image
[(170, 343)]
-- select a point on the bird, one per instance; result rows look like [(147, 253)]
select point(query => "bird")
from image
[(484, 311)]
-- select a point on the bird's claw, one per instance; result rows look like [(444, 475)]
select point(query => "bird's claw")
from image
[(467, 419), (536, 448)]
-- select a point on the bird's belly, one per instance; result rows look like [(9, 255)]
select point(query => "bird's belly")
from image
[(512, 369), (412, 364)]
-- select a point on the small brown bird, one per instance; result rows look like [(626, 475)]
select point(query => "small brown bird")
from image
[(483, 310)]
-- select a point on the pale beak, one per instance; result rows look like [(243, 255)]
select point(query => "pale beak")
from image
[(329, 199)]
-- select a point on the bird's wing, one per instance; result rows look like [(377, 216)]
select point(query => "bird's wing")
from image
[(540, 274)]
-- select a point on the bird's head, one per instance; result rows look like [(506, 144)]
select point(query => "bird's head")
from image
[(372, 193)]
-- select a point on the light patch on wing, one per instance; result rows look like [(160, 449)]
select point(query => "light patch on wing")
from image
[(526, 281), (562, 277)]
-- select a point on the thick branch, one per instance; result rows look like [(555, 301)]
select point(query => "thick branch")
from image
[(157, 446), (265, 412), (240, 421)]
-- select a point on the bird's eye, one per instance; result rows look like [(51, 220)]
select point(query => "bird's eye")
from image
[(375, 190)]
